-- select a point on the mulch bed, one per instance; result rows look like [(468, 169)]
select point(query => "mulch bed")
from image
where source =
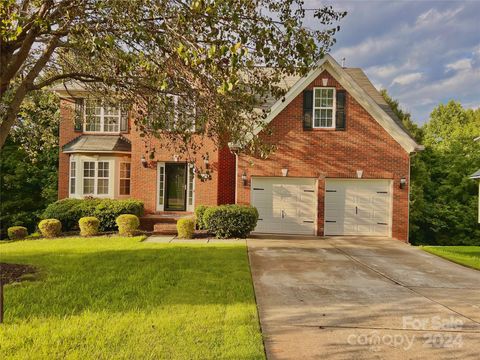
[(10, 273)]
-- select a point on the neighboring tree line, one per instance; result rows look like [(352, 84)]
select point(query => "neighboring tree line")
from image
[(443, 199), (28, 163)]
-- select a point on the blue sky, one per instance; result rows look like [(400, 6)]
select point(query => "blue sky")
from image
[(422, 52)]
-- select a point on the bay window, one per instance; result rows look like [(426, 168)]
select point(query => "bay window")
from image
[(73, 176)]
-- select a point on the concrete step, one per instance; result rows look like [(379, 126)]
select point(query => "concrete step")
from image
[(165, 228)]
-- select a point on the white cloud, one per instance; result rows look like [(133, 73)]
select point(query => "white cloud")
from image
[(459, 65), (407, 78), (433, 16), (382, 71)]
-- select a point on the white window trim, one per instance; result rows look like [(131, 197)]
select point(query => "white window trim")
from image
[(333, 108), (96, 178), (190, 182), (120, 178), (70, 178), (102, 119), (160, 166)]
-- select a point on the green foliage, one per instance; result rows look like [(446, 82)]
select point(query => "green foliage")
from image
[(127, 224), (28, 164), (186, 228), (50, 228), (17, 232), (34, 236), (227, 221), (89, 226), (69, 211), (444, 200), (199, 212), (464, 255)]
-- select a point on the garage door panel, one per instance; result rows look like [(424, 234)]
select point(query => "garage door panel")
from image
[(286, 205), (359, 207)]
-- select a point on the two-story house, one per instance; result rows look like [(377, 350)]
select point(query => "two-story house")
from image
[(341, 164)]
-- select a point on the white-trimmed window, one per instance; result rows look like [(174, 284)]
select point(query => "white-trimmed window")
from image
[(103, 177), (125, 178), (324, 107), (101, 117), (89, 178), (73, 176)]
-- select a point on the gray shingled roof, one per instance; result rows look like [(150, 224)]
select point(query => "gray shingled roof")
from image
[(475, 175), (98, 143)]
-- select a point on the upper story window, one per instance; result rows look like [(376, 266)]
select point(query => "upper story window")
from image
[(324, 108), (94, 115)]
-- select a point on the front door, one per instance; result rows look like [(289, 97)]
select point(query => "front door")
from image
[(175, 186)]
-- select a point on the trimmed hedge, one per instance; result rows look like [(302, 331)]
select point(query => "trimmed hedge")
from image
[(199, 212), (70, 211), (89, 226), (127, 224), (50, 228), (227, 221), (186, 228), (17, 232)]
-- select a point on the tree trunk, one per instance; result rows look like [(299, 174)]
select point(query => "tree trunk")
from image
[(12, 113)]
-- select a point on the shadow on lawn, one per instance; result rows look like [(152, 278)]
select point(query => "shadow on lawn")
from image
[(130, 280)]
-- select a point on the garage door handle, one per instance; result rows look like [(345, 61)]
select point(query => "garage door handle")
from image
[(356, 210), (308, 221), (283, 214)]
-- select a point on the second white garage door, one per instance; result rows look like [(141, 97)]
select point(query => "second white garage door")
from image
[(358, 207), (285, 205)]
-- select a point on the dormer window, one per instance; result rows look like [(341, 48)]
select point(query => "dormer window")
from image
[(324, 107), (98, 116)]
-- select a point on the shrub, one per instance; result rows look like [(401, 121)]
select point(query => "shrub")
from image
[(228, 221), (89, 226), (17, 232), (70, 211), (186, 227), (127, 224), (50, 228), (199, 212), (33, 236)]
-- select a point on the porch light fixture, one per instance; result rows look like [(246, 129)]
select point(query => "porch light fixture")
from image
[(144, 161), (324, 81), (403, 182), (359, 174), (244, 178), (284, 172)]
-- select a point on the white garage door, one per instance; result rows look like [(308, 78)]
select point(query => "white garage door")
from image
[(358, 207), (285, 205)]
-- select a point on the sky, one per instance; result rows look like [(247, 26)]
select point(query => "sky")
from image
[(423, 52)]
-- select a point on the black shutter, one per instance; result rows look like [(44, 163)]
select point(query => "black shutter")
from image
[(124, 119), (340, 115), (307, 110), (79, 113)]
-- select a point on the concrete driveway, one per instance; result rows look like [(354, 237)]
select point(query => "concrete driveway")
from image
[(359, 298)]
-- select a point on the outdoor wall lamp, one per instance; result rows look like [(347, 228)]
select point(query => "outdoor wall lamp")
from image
[(144, 161), (244, 178), (206, 160), (403, 182)]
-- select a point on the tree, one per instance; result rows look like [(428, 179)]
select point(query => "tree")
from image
[(204, 52), (28, 163)]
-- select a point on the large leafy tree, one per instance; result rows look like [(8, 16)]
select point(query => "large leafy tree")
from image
[(220, 58)]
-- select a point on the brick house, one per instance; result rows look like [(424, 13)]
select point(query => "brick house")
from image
[(341, 164)]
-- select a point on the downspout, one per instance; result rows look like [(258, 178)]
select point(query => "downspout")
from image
[(236, 176), (409, 187)]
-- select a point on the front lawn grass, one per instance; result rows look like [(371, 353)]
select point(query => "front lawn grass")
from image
[(464, 255), (119, 298)]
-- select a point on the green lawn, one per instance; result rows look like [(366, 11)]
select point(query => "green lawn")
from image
[(119, 298), (464, 255)]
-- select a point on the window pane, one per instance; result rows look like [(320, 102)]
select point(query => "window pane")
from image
[(102, 186), (316, 122), (72, 186), (88, 186), (161, 185), (124, 187), (89, 169), (125, 170), (103, 169), (111, 124)]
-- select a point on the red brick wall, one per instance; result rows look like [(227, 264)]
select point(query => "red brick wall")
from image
[(326, 153), (226, 176)]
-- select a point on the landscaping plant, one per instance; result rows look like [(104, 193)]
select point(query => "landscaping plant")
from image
[(227, 221), (199, 212), (50, 228), (17, 232), (89, 226), (186, 227), (127, 224)]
